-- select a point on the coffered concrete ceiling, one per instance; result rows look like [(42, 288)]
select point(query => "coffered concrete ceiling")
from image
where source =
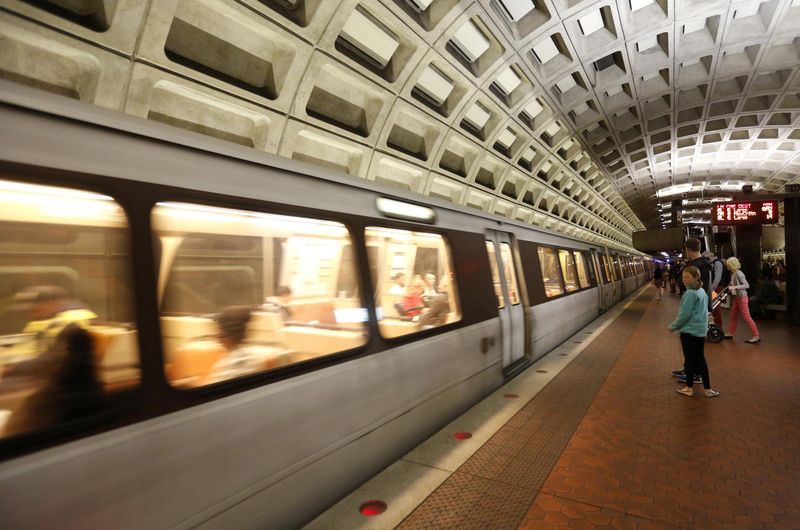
[(576, 115)]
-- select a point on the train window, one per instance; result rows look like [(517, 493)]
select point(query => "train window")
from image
[(551, 272), (68, 338), (244, 292), (568, 269), (580, 264), (498, 286), (510, 273), (587, 260), (413, 274)]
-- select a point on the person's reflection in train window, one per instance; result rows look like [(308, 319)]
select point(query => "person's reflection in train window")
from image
[(72, 390)]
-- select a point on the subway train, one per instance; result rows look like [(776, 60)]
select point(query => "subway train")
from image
[(196, 334)]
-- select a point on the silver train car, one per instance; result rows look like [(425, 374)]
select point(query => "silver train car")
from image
[(199, 335)]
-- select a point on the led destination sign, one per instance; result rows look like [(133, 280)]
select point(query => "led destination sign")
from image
[(745, 213)]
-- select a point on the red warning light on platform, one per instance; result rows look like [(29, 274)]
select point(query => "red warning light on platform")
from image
[(371, 508), (745, 213), (462, 435)]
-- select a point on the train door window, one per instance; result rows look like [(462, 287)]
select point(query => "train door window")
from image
[(413, 274), (580, 265), (551, 272), (510, 273), (587, 260), (244, 292), (498, 287), (608, 270), (568, 269), (68, 338)]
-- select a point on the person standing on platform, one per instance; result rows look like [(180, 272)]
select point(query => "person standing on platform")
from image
[(658, 280), (692, 324), (720, 278), (738, 289)]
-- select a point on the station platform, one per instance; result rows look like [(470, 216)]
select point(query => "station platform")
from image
[(594, 436)]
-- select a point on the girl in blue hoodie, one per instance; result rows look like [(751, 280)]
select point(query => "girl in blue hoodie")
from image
[(692, 323)]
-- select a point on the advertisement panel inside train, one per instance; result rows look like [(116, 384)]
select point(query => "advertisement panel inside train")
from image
[(745, 213)]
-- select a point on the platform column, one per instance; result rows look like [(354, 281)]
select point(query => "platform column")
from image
[(791, 221)]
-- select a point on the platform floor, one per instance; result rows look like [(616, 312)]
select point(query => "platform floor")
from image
[(608, 443)]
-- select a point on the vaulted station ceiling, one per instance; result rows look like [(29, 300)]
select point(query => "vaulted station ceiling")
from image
[(577, 115)]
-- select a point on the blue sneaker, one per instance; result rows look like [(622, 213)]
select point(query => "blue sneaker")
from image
[(697, 378)]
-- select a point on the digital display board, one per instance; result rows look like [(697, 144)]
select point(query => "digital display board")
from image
[(745, 213)]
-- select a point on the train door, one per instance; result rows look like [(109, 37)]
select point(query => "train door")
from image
[(503, 259), (601, 281)]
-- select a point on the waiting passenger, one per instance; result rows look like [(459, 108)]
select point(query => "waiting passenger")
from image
[(398, 287), (280, 302), (692, 324), (767, 293), (72, 390), (238, 359), (738, 288)]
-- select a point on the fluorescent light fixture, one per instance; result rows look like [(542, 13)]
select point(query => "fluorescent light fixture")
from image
[(546, 50), (470, 42), (477, 116), (721, 199), (434, 85), (674, 190), (636, 5), (369, 38), (694, 25), (507, 81), (404, 210), (591, 22), (565, 84), (516, 9)]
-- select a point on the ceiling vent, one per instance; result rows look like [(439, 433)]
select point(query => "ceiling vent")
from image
[(470, 42)]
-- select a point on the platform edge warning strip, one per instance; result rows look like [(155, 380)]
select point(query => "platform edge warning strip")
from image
[(496, 486)]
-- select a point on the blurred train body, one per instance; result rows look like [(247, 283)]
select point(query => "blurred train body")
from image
[(157, 231)]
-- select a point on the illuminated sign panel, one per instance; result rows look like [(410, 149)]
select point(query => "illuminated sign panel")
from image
[(745, 213)]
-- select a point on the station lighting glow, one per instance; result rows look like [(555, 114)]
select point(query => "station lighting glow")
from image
[(674, 190), (404, 210)]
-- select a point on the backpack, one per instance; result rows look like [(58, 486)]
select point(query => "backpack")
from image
[(726, 274)]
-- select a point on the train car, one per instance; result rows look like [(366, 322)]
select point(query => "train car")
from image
[(198, 334)]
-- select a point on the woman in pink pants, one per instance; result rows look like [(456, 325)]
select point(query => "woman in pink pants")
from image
[(738, 288)]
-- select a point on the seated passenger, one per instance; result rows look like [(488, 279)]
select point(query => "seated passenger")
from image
[(72, 390), (238, 359), (412, 303), (398, 284), (48, 311), (280, 302), (438, 307), (430, 286)]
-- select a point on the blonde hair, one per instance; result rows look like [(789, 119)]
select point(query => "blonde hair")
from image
[(734, 263)]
